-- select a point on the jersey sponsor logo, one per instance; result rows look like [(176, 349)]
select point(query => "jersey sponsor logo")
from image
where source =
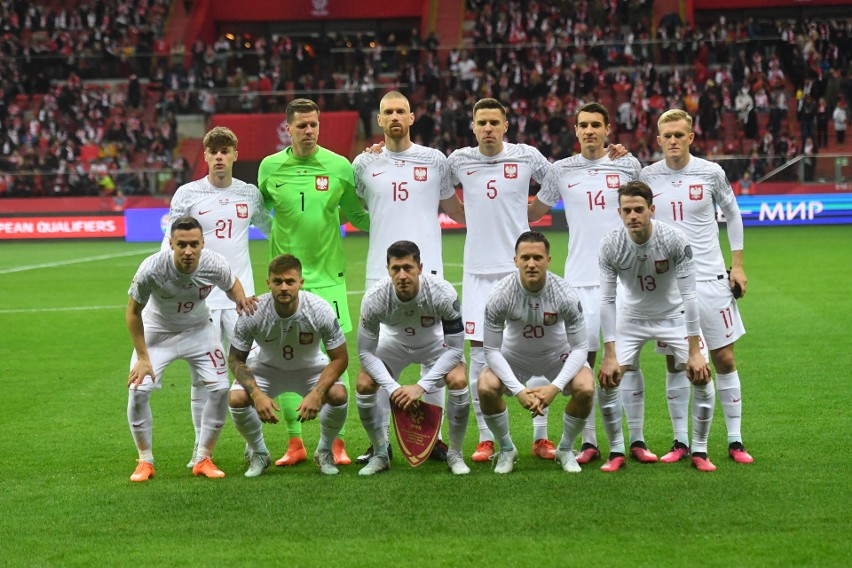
[(204, 291), (661, 266), (242, 211), (613, 181), (377, 174), (205, 212), (696, 192), (549, 318), (469, 327), (322, 183), (510, 171), (427, 321), (420, 174), (306, 338)]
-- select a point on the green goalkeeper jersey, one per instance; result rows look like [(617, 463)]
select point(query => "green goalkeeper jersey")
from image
[(304, 194)]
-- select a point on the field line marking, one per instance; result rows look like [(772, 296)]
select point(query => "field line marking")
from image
[(73, 261)]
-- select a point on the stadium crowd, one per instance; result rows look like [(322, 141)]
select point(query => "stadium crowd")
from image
[(108, 85)]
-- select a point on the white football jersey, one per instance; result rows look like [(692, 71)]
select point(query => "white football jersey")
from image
[(403, 191), (417, 323), (589, 190), (225, 215), (648, 271), (290, 343), (495, 192), (534, 323), (687, 199), (175, 301)]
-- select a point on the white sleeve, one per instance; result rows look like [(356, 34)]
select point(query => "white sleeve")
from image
[(608, 310), (367, 345), (576, 358), (734, 222), (690, 304), (452, 356), (492, 341)]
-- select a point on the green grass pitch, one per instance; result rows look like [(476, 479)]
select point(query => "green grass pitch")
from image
[(66, 452)]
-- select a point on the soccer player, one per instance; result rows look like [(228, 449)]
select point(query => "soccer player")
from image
[(288, 326), (225, 208), (168, 319), (654, 263), (305, 185), (534, 326), (588, 184), (495, 179), (688, 190), (410, 317), (403, 184)]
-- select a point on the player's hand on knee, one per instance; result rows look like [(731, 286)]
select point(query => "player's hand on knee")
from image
[(310, 406), (404, 397), (609, 375), (265, 408), (140, 370), (531, 402), (698, 371), (545, 394)]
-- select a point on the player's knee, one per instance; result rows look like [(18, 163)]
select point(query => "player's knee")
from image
[(583, 387), (723, 359), (336, 395), (457, 378), (238, 399), (366, 384), (488, 386)]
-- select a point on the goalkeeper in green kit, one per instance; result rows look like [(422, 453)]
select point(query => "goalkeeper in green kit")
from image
[(305, 185)]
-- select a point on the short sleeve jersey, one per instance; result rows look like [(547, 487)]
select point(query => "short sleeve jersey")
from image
[(495, 191), (417, 323), (175, 301), (304, 194), (534, 323), (589, 190), (225, 215), (290, 343), (687, 199), (648, 271), (403, 191)]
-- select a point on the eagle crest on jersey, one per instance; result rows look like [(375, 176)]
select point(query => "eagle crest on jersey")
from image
[(613, 181), (661, 266), (549, 318), (306, 338), (510, 171), (420, 174), (242, 211), (427, 321), (322, 183), (204, 291), (696, 192)]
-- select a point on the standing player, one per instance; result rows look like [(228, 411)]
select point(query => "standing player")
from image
[(288, 327), (495, 179), (689, 189), (588, 184), (410, 317), (226, 208), (403, 185), (544, 335), (654, 264), (306, 185), (168, 319)]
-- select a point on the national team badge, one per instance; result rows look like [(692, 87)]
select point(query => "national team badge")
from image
[(306, 338), (613, 181), (696, 192), (510, 171), (204, 291), (242, 211), (322, 183), (661, 266), (420, 174), (427, 321), (549, 318), (469, 327), (417, 430)]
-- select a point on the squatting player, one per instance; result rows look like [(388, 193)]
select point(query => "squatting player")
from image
[(168, 319), (534, 326), (288, 327), (410, 318)]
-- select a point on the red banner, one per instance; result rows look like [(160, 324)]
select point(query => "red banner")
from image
[(260, 135), (417, 430), (60, 227)]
